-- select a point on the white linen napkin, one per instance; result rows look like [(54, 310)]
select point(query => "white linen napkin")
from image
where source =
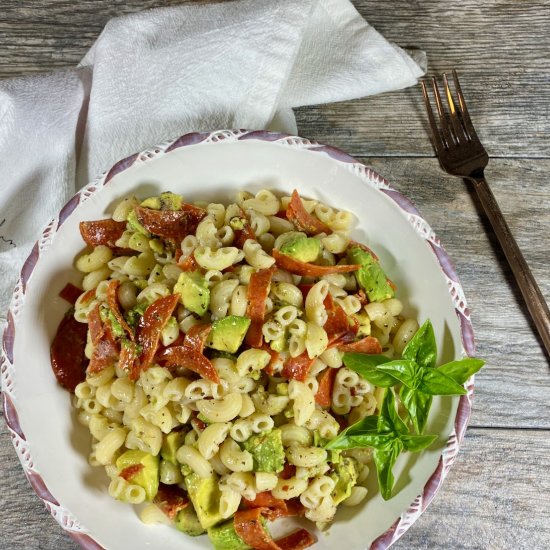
[(161, 73)]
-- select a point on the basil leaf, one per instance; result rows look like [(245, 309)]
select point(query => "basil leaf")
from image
[(374, 440), (418, 406), (435, 382), (365, 366), (422, 347), (389, 420), (461, 370), (366, 426), (384, 460), (403, 370), (415, 443)]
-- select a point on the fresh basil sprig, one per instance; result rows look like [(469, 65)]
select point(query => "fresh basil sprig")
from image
[(416, 372), (388, 435)]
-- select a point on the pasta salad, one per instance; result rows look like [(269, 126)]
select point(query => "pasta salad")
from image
[(239, 363)]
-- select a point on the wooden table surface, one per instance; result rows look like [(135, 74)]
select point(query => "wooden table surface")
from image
[(497, 495)]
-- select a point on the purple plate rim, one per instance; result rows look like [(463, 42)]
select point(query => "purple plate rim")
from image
[(7, 367)]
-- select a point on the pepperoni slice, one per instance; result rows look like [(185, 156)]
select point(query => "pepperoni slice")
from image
[(302, 219), (112, 301), (102, 232), (250, 529), (296, 541), (188, 264), (309, 270), (270, 369), (183, 356), (337, 321), (274, 507), (196, 336), (289, 471), (171, 499), (297, 368), (258, 290), (369, 344), (128, 356), (150, 327), (67, 352), (131, 471), (241, 235), (326, 379), (95, 325), (171, 224), (106, 352), (70, 293)]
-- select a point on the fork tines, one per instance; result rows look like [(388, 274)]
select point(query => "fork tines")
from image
[(456, 125)]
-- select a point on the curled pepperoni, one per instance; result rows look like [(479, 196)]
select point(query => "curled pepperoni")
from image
[(242, 235), (297, 368), (289, 471), (369, 344), (70, 293), (67, 352), (102, 232), (274, 507), (112, 301), (171, 499), (150, 327), (131, 471), (106, 352), (270, 368), (171, 224), (95, 325), (309, 270), (326, 379), (182, 356), (296, 541), (258, 290), (196, 336), (337, 320), (188, 264), (302, 219), (250, 529)]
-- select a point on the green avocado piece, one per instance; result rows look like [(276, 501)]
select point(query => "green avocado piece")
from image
[(205, 495), (345, 477), (188, 522), (134, 225), (170, 201), (133, 315), (170, 445), (227, 334), (304, 249), (370, 276), (151, 202), (107, 315), (148, 476), (267, 451), (224, 537), (194, 292)]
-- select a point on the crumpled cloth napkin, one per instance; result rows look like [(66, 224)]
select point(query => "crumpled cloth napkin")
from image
[(161, 73)]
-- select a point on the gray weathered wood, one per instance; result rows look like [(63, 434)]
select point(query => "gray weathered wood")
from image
[(497, 495)]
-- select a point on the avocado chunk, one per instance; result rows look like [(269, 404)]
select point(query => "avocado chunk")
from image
[(267, 451), (134, 225), (304, 249), (151, 202), (170, 444), (205, 495), (193, 290), (345, 477), (147, 476), (224, 537), (187, 521), (227, 334), (370, 276)]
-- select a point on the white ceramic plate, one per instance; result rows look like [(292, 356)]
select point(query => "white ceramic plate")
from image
[(53, 447)]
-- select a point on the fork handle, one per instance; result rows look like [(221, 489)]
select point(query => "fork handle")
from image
[(531, 293)]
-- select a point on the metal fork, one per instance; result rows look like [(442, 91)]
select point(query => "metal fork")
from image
[(461, 154)]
